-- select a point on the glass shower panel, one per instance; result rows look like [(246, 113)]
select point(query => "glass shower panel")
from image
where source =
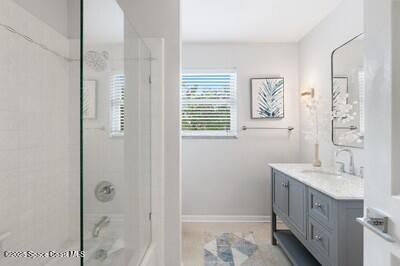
[(116, 138), (145, 126), (138, 117)]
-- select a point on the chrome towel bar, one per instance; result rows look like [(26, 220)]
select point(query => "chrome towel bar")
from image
[(286, 128), (377, 222), (349, 127)]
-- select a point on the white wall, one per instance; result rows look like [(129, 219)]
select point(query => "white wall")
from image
[(382, 128), (161, 19), (230, 176), (396, 92), (61, 15), (343, 24), (34, 141), (154, 255), (214, 170)]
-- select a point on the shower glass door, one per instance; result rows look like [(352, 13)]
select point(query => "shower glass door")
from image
[(116, 137)]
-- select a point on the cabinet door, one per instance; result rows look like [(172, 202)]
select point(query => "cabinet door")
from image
[(281, 192), (297, 205)]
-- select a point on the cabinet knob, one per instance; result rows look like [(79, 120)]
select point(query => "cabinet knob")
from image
[(318, 238), (285, 185)]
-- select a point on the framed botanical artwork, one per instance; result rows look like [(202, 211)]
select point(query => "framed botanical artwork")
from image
[(267, 98), (89, 99)]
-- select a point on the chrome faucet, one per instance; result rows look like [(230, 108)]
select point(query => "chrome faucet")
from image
[(103, 222), (351, 163)]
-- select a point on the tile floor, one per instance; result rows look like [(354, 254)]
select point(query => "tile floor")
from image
[(193, 241)]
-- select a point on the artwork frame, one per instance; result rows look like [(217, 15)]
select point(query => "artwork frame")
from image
[(263, 86), (89, 99), (343, 83)]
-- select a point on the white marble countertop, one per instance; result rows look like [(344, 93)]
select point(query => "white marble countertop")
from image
[(324, 179)]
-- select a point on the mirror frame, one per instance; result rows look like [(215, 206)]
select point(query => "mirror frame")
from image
[(332, 76)]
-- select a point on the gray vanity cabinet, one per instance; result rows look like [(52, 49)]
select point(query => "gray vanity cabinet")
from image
[(289, 199), (322, 230)]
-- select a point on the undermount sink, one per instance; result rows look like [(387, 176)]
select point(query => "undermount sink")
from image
[(320, 172)]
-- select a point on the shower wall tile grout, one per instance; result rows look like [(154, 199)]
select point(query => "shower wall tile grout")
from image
[(35, 143)]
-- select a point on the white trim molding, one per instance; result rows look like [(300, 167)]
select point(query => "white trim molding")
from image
[(225, 219)]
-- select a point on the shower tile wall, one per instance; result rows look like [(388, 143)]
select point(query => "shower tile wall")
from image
[(74, 144), (35, 141)]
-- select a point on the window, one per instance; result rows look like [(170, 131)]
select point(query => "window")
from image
[(117, 105), (208, 104)]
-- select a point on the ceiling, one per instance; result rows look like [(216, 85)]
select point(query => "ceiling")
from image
[(251, 20)]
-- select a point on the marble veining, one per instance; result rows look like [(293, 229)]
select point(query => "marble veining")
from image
[(323, 179)]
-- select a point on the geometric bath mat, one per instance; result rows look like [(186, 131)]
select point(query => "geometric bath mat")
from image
[(231, 249)]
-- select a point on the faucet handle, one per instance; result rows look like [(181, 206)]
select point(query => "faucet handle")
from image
[(340, 167)]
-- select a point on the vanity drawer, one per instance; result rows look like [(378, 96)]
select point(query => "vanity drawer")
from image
[(321, 208), (320, 239)]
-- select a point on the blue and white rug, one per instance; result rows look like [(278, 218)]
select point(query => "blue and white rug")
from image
[(231, 249)]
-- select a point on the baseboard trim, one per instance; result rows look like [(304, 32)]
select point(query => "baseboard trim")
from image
[(225, 219)]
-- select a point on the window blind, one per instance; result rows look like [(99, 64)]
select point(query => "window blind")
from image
[(208, 104), (117, 104)]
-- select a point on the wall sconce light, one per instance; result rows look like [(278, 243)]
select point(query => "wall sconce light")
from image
[(307, 94)]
